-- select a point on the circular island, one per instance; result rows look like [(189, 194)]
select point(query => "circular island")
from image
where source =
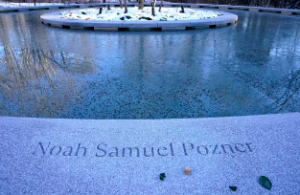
[(168, 18)]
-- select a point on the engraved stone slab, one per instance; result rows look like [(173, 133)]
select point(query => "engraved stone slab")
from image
[(59, 156)]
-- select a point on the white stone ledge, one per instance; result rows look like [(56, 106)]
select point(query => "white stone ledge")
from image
[(54, 19), (174, 24), (150, 24)]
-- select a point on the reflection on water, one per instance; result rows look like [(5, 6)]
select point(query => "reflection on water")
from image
[(39, 83), (250, 68)]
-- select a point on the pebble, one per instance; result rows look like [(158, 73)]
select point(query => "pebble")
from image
[(187, 171)]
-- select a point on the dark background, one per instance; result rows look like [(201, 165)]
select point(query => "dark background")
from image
[(294, 4), (266, 3)]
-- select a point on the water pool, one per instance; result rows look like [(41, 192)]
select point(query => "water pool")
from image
[(249, 68)]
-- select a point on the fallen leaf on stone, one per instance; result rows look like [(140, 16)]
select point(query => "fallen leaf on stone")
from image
[(233, 188), (265, 182), (162, 176)]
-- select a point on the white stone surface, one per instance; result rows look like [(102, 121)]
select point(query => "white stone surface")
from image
[(263, 145), (115, 14)]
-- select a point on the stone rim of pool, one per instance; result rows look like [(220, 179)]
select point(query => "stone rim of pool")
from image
[(54, 19), (227, 151)]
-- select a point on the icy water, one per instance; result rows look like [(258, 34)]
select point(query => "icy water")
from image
[(249, 68)]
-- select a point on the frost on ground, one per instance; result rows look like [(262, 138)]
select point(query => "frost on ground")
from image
[(134, 14), (9, 4)]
